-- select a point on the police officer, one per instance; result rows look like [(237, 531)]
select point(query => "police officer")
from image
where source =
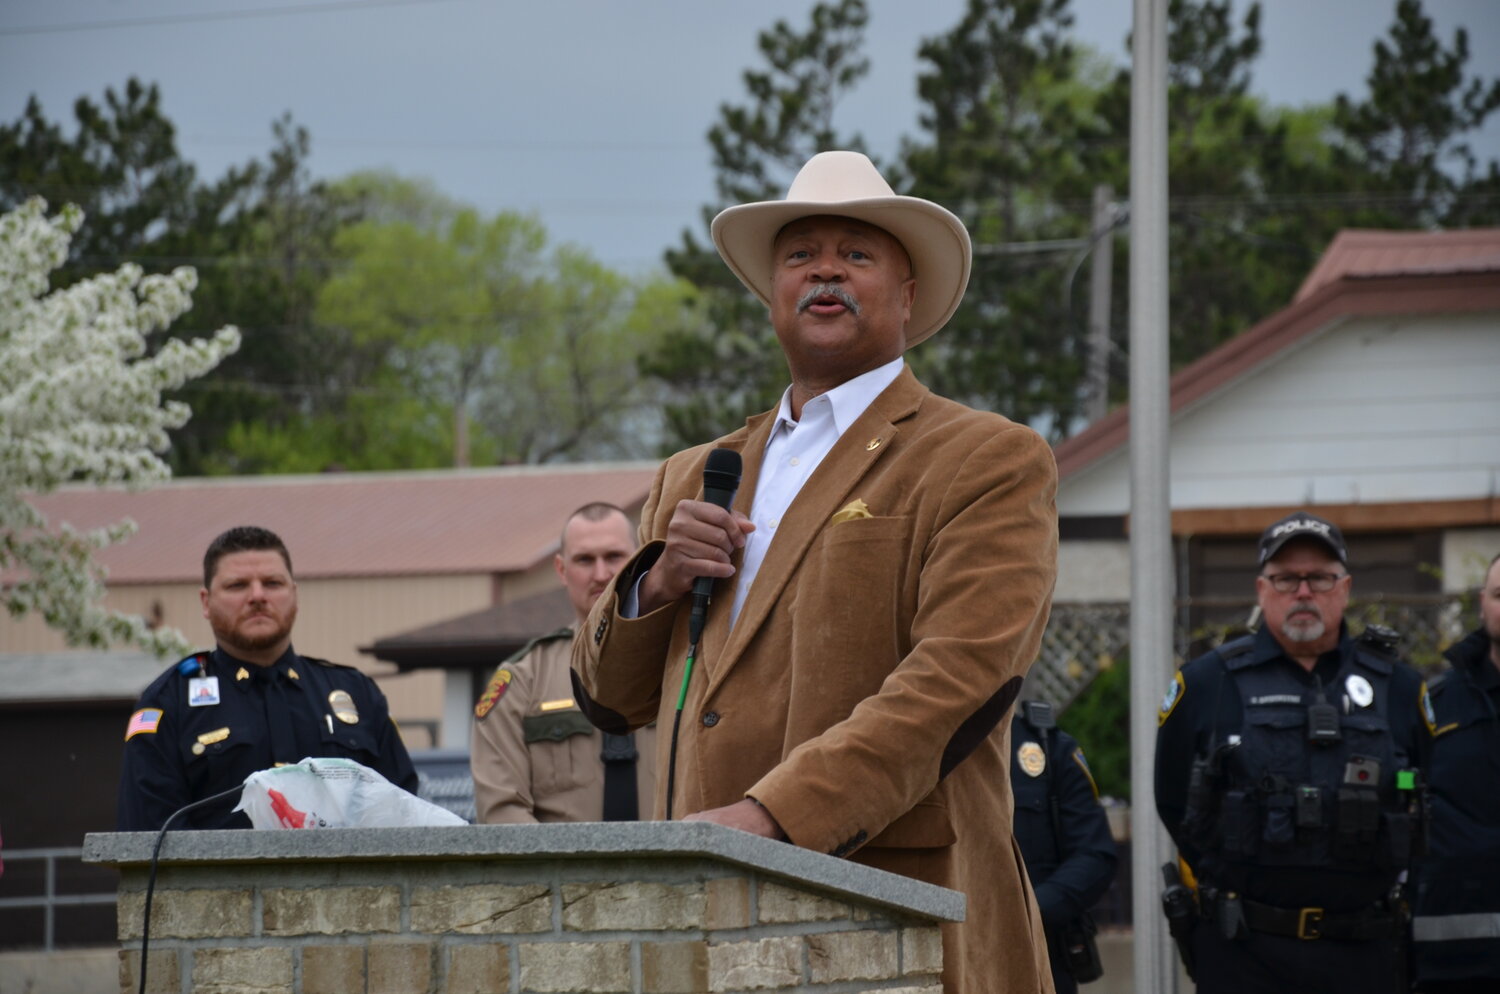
[(1456, 931), (252, 703), (1284, 771), (534, 756), (1064, 838)]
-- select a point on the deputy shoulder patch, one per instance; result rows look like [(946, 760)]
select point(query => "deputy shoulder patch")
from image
[(1174, 697), (499, 683), (1428, 714)]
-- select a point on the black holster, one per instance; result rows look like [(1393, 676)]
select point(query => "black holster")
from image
[(1080, 949), (1178, 905)]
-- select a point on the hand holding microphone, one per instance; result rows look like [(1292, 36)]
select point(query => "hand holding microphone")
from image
[(701, 538)]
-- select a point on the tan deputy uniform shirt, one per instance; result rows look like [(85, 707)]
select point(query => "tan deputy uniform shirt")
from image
[(534, 756)]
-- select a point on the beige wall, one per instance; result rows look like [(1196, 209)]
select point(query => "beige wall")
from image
[(1466, 554), (537, 580), (1092, 570)]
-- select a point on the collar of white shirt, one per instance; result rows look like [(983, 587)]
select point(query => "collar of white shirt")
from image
[(847, 401)]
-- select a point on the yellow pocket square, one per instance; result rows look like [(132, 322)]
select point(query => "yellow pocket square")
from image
[(852, 511)]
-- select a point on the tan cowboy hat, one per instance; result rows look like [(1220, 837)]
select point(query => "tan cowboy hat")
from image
[(848, 184)]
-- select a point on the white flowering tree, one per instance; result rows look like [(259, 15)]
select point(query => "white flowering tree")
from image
[(81, 401)]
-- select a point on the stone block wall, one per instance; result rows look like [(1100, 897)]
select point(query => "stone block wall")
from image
[(654, 922)]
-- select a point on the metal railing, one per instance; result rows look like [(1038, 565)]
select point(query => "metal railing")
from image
[(50, 900)]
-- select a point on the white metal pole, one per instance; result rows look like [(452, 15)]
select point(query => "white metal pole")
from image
[(1151, 581), (1101, 267)]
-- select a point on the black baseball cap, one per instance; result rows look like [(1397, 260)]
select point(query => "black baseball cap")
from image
[(1303, 525)]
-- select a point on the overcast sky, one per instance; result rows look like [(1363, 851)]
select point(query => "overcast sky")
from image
[(590, 113)]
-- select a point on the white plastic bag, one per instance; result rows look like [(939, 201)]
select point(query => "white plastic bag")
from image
[(334, 793)]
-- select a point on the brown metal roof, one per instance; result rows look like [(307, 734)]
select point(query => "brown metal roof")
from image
[(1356, 254), (480, 638), (1459, 285), (354, 524)]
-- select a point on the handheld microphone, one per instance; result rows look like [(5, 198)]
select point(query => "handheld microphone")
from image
[(721, 478)]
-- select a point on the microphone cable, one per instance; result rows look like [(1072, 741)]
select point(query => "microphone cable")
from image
[(151, 877), (687, 674)]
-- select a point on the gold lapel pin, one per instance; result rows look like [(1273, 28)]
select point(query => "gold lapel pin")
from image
[(872, 444)]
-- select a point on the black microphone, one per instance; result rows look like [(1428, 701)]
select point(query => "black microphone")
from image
[(721, 478)]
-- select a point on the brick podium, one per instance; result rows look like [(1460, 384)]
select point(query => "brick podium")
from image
[(624, 908)]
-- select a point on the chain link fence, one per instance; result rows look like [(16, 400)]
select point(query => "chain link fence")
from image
[(1082, 639)]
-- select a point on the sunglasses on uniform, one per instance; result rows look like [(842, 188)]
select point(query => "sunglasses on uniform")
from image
[(1289, 583)]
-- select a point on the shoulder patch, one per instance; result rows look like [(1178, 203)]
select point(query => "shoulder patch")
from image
[(1173, 698), (1429, 716), (143, 722), (499, 683), (1083, 764)]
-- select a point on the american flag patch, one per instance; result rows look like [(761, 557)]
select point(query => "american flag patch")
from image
[(144, 720)]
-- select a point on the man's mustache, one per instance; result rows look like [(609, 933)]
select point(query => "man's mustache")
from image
[(833, 290), (1304, 607)]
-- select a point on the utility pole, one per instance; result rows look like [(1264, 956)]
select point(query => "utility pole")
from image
[(1102, 240), (1151, 579)]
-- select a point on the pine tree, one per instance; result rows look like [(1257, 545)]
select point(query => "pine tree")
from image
[(1000, 123), (723, 363), (1405, 140)]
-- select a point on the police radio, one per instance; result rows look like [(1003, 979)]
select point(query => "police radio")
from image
[(1323, 720)]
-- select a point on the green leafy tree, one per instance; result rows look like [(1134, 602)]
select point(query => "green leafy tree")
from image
[(354, 410), (533, 353), (570, 388), (1099, 718), (440, 307), (718, 359)]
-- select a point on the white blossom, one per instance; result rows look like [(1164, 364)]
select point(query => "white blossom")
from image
[(80, 402)]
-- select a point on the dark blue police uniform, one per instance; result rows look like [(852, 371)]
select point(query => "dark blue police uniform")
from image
[(1070, 855), (212, 720), (1284, 792), (1456, 930)]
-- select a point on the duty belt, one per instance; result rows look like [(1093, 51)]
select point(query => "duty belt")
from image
[(1313, 923)]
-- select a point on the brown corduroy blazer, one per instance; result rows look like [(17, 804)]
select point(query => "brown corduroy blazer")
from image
[(862, 692)]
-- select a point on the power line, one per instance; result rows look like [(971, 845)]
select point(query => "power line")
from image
[(336, 6)]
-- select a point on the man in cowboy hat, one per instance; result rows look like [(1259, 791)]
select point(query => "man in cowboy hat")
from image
[(883, 579)]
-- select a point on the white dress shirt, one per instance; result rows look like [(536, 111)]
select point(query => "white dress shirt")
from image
[(793, 450)]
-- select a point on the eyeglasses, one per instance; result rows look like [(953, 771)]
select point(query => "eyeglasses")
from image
[(1289, 583)]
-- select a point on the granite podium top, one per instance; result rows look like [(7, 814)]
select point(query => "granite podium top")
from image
[(573, 841)]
